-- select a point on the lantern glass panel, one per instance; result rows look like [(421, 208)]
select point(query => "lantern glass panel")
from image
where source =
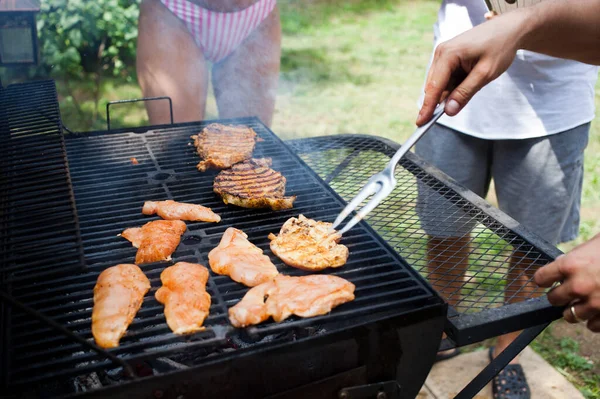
[(16, 40)]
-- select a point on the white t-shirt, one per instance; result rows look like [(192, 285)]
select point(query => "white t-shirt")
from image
[(538, 95)]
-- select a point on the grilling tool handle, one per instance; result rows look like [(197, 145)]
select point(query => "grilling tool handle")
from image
[(412, 140)]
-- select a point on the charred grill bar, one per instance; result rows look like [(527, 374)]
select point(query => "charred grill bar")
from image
[(384, 342)]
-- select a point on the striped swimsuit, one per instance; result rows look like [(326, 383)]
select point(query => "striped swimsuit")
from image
[(218, 34)]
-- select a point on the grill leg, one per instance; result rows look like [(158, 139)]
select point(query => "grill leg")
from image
[(496, 365)]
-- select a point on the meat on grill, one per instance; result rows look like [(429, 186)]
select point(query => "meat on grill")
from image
[(118, 295), (156, 240), (222, 146), (171, 210), (309, 245), (253, 184), (184, 295), (305, 296), (241, 260)]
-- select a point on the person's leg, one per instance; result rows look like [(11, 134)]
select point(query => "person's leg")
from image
[(169, 63), (245, 82), (538, 183), (465, 159)]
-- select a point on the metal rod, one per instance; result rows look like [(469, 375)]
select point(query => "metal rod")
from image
[(135, 100), (496, 365), (13, 302)]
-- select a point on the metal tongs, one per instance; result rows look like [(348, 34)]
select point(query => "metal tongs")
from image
[(383, 183)]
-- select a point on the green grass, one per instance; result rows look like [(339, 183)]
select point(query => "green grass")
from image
[(564, 355), (358, 67)]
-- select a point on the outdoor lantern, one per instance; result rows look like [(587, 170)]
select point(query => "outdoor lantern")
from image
[(18, 32)]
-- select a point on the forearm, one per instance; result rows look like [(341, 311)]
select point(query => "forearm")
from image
[(563, 28)]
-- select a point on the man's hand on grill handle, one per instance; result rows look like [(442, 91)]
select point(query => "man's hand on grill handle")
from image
[(579, 274), (566, 29)]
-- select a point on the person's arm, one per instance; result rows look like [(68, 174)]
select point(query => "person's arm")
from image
[(560, 28), (579, 272)]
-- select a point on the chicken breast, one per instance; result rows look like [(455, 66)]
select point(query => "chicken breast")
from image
[(305, 296), (156, 240), (118, 296), (222, 146), (171, 210), (253, 184), (184, 295), (241, 260), (309, 245)]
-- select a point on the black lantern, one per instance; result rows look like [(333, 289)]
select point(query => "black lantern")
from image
[(18, 32)]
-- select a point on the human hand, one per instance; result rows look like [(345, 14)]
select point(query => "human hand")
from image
[(482, 53), (489, 15), (579, 271)]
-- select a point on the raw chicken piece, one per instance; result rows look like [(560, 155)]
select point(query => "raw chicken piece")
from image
[(171, 210), (156, 240), (309, 245), (305, 296), (241, 260), (184, 295), (118, 295)]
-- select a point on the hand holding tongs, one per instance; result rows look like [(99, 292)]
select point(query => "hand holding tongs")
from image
[(383, 183)]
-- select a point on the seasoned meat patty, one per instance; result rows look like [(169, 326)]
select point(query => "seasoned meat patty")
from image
[(155, 240), (171, 210), (222, 146), (241, 260), (253, 184), (184, 295), (118, 296), (305, 296), (307, 244)]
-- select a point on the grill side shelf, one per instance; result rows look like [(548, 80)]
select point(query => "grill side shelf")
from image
[(482, 310)]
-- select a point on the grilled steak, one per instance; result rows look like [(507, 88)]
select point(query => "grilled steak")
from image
[(253, 184), (222, 146), (309, 245)]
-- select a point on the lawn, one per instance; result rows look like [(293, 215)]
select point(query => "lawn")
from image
[(358, 68)]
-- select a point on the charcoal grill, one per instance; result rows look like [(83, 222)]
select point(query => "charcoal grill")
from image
[(383, 343)]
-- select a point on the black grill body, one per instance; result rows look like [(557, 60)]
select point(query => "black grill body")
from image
[(394, 305)]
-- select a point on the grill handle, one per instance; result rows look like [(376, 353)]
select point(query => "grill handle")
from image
[(135, 100)]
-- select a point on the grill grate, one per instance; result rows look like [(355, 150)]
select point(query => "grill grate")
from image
[(36, 187), (110, 190), (346, 162)]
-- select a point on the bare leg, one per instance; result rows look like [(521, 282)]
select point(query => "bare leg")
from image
[(447, 262), (170, 64), (519, 286), (245, 82)]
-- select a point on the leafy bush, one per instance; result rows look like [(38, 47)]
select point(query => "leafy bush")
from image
[(79, 36), (87, 40)]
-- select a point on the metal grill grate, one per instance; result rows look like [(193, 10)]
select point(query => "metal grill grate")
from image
[(36, 188), (346, 162), (109, 192)]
